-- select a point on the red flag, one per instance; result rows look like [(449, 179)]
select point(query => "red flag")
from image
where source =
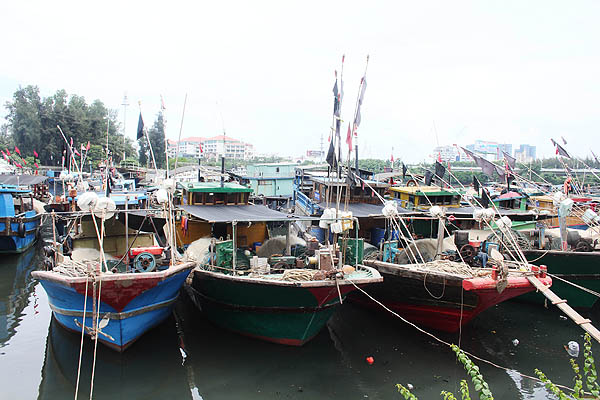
[(77, 153), (24, 162), (35, 154), (36, 165), (439, 157), (17, 150), (18, 165), (87, 148), (82, 147), (392, 158), (8, 152), (349, 139), (71, 142)]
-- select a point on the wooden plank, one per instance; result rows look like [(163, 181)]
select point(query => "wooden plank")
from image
[(565, 308)]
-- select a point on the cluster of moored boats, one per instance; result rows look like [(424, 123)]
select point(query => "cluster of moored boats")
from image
[(117, 257)]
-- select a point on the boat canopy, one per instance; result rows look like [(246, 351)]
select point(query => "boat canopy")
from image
[(243, 213), (22, 180)]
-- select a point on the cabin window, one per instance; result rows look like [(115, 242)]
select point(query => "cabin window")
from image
[(197, 198), (277, 169), (411, 201)]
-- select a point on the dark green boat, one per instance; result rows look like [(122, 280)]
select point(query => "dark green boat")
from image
[(580, 268)]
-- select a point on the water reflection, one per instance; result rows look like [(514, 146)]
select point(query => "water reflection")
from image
[(151, 368), (16, 287)]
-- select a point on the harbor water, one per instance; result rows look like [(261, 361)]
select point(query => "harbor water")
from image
[(188, 358)]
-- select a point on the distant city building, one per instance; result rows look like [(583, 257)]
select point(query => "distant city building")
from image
[(212, 147), (492, 151), (525, 153), (447, 153)]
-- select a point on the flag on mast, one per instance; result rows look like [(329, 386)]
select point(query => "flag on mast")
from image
[(349, 139), (140, 128), (559, 150), (363, 88), (35, 154), (17, 150)]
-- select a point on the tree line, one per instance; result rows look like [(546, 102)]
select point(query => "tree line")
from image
[(32, 122)]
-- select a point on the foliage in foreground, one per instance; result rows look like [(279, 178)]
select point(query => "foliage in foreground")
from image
[(481, 387)]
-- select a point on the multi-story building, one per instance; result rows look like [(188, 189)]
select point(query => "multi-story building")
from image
[(525, 153), (490, 150), (212, 147)]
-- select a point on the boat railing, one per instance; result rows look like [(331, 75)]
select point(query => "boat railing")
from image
[(306, 203)]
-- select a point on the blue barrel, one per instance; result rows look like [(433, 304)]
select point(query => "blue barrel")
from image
[(319, 233), (377, 235)]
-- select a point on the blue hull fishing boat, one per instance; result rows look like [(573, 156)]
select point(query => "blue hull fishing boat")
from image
[(130, 303), (113, 301), (19, 223)]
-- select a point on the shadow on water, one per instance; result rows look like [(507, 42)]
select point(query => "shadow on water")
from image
[(16, 287)]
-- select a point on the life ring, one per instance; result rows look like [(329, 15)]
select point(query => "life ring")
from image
[(411, 182), (22, 231)]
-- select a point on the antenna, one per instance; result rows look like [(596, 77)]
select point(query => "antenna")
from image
[(124, 104)]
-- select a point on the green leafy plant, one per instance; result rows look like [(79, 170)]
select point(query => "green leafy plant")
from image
[(590, 377)]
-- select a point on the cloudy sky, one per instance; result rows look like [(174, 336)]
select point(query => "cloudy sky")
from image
[(439, 71)]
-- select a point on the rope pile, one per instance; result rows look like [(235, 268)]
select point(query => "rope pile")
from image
[(75, 269), (452, 267)]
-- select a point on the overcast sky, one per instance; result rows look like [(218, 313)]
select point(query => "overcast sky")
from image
[(510, 71)]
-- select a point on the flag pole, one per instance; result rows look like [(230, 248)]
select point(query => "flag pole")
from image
[(180, 130), (356, 105), (148, 140)]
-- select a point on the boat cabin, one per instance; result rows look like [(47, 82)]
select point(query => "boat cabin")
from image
[(511, 201), (214, 193), (420, 197)]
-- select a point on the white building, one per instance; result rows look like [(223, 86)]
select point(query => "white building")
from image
[(213, 147), (446, 153)]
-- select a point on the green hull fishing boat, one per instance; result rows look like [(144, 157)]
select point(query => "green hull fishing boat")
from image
[(272, 308)]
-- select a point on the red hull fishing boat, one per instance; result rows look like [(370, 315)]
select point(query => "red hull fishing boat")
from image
[(440, 299)]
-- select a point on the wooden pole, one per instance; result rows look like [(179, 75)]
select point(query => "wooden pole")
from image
[(440, 238), (288, 245), (584, 323)]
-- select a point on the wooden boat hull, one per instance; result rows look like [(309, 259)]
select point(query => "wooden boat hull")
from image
[(443, 302), (289, 313), (581, 268), (13, 241), (134, 302)]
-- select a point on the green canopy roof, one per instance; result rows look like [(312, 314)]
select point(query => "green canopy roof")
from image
[(215, 187)]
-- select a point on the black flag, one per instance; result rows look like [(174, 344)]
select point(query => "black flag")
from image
[(559, 150), (331, 159), (140, 130), (428, 178), (404, 169), (440, 170), (476, 184)]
